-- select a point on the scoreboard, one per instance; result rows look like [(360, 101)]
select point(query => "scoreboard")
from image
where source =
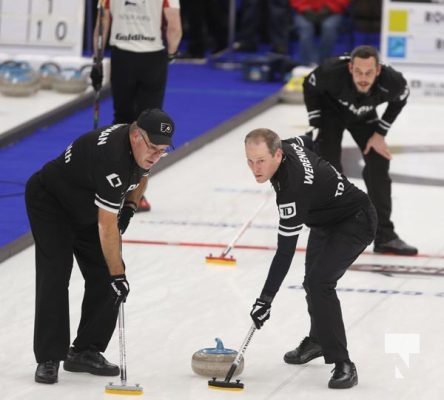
[(47, 27), (413, 33)]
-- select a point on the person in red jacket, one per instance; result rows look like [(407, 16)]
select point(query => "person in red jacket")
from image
[(314, 17)]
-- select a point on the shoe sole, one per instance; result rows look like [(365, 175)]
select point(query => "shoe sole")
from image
[(354, 382), (47, 381), (289, 360), (143, 209), (396, 253), (73, 367)]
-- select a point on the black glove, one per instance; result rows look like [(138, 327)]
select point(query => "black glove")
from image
[(120, 289), (260, 312), (172, 57), (125, 214), (96, 76)]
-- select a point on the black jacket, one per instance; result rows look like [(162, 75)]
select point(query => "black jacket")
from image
[(96, 170), (309, 191), (331, 85)]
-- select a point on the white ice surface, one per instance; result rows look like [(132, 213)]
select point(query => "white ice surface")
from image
[(178, 304)]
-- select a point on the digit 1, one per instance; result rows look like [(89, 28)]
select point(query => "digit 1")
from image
[(39, 29)]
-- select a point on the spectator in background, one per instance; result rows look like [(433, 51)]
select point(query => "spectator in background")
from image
[(313, 18), (143, 37), (278, 25), (204, 19)]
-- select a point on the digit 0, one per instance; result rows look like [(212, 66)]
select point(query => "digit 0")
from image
[(61, 30)]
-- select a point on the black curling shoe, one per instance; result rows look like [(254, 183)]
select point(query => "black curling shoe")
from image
[(47, 372), (305, 352), (395, 246), (89, 361), (344, 376)]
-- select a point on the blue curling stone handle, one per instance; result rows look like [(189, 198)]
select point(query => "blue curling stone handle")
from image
[(219, 349)]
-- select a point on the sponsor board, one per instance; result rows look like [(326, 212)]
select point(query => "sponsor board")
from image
[(413, 33)]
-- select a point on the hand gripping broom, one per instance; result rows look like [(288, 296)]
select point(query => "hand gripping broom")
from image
[(123, 388), (237, 385)]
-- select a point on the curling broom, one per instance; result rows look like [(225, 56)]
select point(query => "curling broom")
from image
[(223, 259), (99, 62), (237, 385), (123, 388)]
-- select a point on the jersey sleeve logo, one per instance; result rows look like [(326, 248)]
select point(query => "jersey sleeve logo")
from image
[(114, 180), (287, 210), (312, 79)]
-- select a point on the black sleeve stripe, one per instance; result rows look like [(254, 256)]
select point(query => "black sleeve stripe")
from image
[(289, 230), (384, 124), (104, 207), (299, 140), (314, 114), (107, 205)]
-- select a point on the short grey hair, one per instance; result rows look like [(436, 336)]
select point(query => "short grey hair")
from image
[(271, 139)]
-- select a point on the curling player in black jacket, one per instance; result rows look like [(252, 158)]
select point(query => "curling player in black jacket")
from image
[(79, 205), (310, 191), (343, 93)]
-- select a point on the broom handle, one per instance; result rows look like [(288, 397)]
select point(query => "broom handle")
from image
[(231, 24), (122, 344), (240, 353), (244, 228), (99, 59)]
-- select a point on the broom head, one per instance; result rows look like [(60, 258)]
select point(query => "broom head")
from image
[(224, 385), (222, 260), (134, 390)]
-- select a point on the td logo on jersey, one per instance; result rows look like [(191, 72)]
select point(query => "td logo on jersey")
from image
[(287, 210)]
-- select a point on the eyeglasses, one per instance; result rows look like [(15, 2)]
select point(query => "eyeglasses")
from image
[(152, 148)]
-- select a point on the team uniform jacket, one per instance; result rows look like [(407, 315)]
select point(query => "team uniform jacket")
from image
[(137, 24), (331, 85), (309, 191), (96, 170)]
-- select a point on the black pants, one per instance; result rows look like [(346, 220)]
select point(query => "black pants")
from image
[(205, 16), (57, 240), (376, 170), (330, 251), (138, 82), (278, 12)]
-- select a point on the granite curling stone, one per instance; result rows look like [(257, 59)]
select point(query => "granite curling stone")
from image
[(216, 361), (71, 80), (17, 78)]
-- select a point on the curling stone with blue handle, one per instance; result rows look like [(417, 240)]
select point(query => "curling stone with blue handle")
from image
[(71, 80), (216, 361), (48, 71), (17, 78)]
